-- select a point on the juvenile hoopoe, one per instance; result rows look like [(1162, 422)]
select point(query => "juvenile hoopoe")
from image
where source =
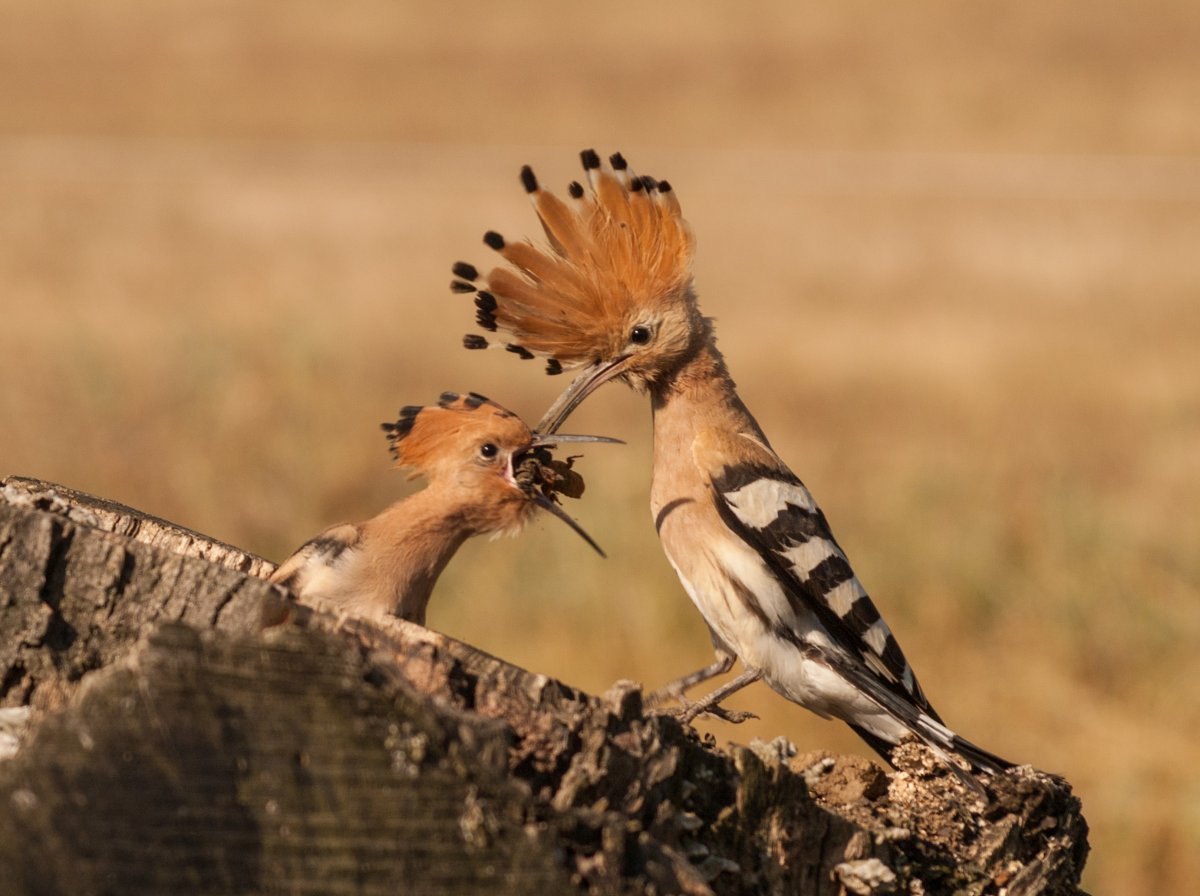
[(613, 294), (487, 474)]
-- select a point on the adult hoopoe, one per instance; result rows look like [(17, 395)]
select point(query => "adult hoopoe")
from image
[(613, 294), (487, 474)]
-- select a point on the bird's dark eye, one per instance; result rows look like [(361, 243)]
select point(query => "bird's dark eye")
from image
[(639, 335), (488, 450)]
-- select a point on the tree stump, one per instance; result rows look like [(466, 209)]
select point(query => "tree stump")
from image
[(172, 722)]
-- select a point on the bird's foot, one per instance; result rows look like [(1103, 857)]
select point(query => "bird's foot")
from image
[(711, 703), (689, 711)]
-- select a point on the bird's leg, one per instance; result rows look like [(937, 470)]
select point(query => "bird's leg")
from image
[(674, 690), (710, 703)]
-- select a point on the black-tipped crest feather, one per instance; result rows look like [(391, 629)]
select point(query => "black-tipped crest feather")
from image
[(613, 253), (465, 270)]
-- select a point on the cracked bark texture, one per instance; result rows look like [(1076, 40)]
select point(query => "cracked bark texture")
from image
[(178, 724)]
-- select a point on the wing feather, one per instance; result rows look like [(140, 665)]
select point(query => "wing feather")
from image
[(772, 511), (308, 571)]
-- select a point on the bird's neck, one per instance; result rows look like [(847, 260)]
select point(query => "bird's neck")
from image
[(699, 393), (415, 539)]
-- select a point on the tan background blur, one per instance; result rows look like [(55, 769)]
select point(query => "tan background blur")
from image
[(953, 254)]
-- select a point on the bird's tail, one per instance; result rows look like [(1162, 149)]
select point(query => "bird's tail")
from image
[(977, 756), (980, 760), (923, 725)]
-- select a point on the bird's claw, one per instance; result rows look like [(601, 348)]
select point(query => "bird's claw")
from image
[(688, 712), (733, 716)]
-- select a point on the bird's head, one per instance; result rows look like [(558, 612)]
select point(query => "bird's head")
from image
[(494, 470), (610, 295)]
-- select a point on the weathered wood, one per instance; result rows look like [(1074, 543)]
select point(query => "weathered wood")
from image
[(195, 730), (109, 516), (77, 589)]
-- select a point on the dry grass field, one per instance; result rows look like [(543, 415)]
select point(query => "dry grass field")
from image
[(954, 255)]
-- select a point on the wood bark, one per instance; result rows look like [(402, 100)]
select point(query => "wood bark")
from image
[(178, 724)]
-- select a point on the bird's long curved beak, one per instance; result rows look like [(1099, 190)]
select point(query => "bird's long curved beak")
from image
[(585, 383), (551, 439), (546, 504)]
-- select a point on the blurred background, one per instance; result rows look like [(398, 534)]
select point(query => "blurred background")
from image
[(952, 252)]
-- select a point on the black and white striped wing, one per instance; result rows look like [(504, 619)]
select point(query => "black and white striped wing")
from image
[(773, 512), (312, 569)]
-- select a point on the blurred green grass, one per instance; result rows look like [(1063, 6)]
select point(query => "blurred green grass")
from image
[(952, 260)]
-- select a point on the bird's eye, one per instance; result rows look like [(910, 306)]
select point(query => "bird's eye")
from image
[(639, 335), (488, 450)]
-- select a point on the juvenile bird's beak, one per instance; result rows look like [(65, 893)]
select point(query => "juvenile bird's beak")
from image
[(552, 439), (588, 381), (546, 504)]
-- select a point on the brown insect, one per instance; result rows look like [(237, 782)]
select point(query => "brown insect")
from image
[(539, 469)]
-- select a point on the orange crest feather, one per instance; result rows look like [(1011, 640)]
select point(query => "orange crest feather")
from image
[(616, 250), (422, 437)]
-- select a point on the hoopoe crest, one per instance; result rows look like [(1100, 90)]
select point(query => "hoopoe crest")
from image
[(614, 281)]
